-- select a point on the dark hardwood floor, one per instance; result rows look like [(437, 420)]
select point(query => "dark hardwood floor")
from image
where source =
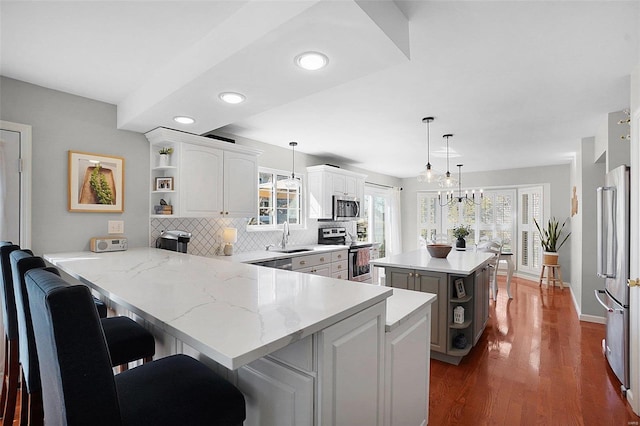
[(535, 363)]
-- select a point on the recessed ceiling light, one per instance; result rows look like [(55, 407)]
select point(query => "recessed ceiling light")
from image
[(312, 61), (232, 97), (184, 119)]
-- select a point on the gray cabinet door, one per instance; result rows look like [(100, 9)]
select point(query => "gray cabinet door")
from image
[(436, 283), (400, 278), (481, 302)]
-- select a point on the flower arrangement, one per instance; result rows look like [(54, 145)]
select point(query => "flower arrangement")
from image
[(550, 235), (166, 151), (461, 231)]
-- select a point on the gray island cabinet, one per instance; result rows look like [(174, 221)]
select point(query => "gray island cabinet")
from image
[(416, 270)]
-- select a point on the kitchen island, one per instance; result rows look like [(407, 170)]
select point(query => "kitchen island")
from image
[(466, 270), (303, 349)]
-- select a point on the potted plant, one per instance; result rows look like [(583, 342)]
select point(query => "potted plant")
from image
[(460, 232), (164, 156), (550, 240)]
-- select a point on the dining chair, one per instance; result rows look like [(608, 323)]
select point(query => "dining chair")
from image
[(79, 387), (494, 247), (11, 375)]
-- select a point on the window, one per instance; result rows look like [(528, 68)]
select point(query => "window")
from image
[(277, 203), (493, 218)]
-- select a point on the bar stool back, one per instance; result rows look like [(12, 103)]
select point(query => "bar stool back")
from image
[(79, 387), (11, 374)]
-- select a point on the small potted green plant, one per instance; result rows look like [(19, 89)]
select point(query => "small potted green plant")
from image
[(164, 156), (460, 232), (550, 239)]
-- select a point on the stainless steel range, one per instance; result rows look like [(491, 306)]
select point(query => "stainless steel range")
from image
[(359, 252)]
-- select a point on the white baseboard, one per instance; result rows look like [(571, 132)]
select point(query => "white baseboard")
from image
[(592, 318)]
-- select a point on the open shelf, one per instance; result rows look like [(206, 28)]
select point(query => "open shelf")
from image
[(467, 298), (465, 324)]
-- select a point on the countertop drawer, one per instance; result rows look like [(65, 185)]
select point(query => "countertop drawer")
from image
[(341, 275), (302, 262), (338, 256), (342, 266), (323, 270)]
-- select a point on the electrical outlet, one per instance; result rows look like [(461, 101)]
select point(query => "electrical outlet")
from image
[(116, 227)]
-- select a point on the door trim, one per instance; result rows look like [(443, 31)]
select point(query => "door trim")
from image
[(25, 179)]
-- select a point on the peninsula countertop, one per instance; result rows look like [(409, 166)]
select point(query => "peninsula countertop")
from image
[(231, 312), (457, 262)]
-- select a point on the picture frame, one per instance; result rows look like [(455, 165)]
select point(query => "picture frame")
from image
[(460, 292), (164, 184), (95, 183)]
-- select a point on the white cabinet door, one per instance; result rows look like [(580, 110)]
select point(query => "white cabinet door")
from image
[(350, 369), (275, 394), (407, 371), (201, 176), (240, 184)]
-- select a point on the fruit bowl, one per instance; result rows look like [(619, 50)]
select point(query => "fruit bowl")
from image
[(438, 250)]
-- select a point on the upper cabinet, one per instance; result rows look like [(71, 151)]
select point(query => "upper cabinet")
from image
[(203, 178), (326, 181)]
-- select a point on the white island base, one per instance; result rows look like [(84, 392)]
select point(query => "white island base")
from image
[(345, 354)]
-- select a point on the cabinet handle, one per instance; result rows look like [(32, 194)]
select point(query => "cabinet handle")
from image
[(322, 259), (302, 262), (221, 212), (410, 274), (339, 266), (417, 275), (339, 256), (226, 212)]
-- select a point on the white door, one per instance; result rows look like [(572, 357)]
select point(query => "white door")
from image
[(15, 183), (531, 207)]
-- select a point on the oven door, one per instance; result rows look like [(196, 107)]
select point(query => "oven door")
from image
[(345, 208), (359, 267)]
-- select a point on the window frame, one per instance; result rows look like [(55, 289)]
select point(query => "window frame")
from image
[(302, 222)]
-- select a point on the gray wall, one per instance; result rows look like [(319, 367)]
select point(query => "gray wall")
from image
[(63, 122), (560, 194)]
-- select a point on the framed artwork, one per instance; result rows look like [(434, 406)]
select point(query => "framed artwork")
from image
[(96, 183), (164, 184), (460, 293)]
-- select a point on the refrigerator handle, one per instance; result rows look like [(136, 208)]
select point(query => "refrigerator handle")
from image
[(609, 309), (605, 229)]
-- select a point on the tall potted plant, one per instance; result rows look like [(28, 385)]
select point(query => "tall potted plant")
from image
[(550, 238)]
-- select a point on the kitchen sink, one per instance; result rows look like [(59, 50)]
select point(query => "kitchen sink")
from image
[(298, 250)]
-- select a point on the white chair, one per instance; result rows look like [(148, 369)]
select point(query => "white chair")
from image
[(495, 248)]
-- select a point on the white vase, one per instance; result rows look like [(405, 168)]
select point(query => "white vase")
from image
[(163, 161)]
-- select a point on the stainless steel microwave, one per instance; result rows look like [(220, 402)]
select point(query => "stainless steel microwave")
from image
[(345, 208)]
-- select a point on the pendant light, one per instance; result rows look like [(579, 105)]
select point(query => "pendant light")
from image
[(291, 182), (427, 174), (447, 181)]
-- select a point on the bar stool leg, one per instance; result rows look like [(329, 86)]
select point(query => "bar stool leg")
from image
[(542, 277), (11, 381), (560, 276), (3, 396), (24, 400)]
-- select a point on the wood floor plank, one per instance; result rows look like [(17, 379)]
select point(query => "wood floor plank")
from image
[(535, 364)]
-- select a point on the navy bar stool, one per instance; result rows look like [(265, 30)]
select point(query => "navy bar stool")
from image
[(79, 387), (127, 341), (11, 375)]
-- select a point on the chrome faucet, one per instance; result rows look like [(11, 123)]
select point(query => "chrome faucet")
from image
[(285, 234)]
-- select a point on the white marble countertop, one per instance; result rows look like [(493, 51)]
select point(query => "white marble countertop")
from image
[(266, 255), (231, 312), (457, 262), (403, 304)]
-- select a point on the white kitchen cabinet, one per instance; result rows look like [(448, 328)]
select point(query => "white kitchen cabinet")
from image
[(326, 181), (210, 178), (407, 371), (333, 264), (351, 370), (275, 394)]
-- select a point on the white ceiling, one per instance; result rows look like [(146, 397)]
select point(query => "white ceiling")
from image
[(517, 83)]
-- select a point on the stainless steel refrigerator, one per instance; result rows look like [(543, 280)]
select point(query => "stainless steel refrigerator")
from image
[(613, 214)]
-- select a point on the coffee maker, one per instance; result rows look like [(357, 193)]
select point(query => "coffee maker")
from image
[(174, 240)]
